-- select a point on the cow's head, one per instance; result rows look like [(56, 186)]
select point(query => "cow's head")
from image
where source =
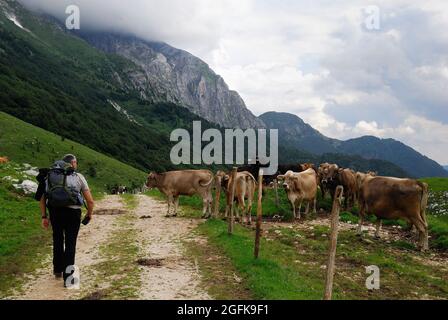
[(361, 177), (151, 181), (328, 172), (306, 166), (221, 179), (287, 180)]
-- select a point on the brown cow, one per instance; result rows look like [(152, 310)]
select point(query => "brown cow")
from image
[(347, 179), (244, 189), (4, 160), (184, 183), (394, 198), (325, 175), (300, 186), (360, 177)]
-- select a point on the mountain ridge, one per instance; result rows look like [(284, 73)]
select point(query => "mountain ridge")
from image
[(294, 132), (45, 69)]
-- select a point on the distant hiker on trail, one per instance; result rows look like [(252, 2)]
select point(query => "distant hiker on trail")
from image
[(63, 190)]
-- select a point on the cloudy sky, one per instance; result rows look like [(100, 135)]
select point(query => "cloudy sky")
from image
[(333, 63)]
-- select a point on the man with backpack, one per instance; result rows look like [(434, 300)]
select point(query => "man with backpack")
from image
[(63, 190)]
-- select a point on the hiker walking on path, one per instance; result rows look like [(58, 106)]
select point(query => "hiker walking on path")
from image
[(63, 192)]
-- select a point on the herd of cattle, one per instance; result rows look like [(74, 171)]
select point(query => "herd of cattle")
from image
[(384, 197)]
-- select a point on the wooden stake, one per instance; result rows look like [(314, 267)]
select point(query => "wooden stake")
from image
[(217, 198), (333, 242), (259, 214), (233, 186), (276, 192)]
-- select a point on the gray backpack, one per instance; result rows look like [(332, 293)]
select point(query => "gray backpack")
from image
[(59, 194)]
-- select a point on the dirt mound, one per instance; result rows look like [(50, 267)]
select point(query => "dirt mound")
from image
[(110, 212), (150, 262)]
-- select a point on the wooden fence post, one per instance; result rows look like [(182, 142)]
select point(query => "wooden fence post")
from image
[(259, 214), (232, 218), (217, 198), (276, 192), (333, 242)]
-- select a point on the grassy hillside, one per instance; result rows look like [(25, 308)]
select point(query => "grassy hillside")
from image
[(21, 236), (25, 143), (56, 81), (396, 152)]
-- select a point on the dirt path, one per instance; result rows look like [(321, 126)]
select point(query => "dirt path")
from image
[(157, 238), (177, 277)]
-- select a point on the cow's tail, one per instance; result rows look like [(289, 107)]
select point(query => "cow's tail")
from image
[(212, 178), (249, 177), (423, 201)]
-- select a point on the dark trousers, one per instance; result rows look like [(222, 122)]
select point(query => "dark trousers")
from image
[(65, 223)]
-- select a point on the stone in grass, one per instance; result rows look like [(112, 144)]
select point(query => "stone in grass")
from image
[(27, 186), (368, 241), (10, 179), (31, 172)]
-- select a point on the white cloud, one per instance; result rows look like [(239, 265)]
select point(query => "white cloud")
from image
[(311, 58), (368, 128)]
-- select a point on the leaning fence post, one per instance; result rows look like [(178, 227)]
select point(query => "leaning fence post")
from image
[(217, 198), (259, 214), (231, 218), (276, 192), (333, 242)]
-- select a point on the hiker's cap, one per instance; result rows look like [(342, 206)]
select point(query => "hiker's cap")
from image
[(68, 158)]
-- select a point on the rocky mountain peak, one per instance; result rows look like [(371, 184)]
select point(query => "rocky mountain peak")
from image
[(174, 75)]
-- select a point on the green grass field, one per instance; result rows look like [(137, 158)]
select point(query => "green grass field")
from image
[(22, 239), (291, 260), (25, 143)]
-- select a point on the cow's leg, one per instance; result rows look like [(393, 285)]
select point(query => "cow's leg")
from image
[(315, 205), (204, 207), (414, 230), (240, 207), (249, 210), (379, 223), (176, 205), (300, 207), (243, 211), (362, 211), (361, 220), (293, 209), (209, 198), (210, 205), (170, 200), (307, 210)]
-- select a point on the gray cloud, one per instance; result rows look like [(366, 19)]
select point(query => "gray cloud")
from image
[(311, 58)]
